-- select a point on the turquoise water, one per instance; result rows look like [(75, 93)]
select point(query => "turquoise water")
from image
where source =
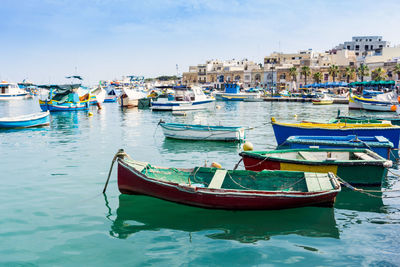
[(53, 212)]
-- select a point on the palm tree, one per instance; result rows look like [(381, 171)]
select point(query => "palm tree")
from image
[(333, 71), (362, 71), (397, 70), (305, 71), (317, 77), (349, 72), (293, 73), (378, 74)]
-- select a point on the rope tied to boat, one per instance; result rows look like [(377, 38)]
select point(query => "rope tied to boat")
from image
[(366, 191), (120, 154)]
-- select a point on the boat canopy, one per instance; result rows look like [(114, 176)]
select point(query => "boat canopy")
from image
[(372, 83)]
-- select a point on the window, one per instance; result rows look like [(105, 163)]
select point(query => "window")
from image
[(357, 47), (357, 54), (348, 47), (326, 76), (380, 46), (372, 47), (365, 47)]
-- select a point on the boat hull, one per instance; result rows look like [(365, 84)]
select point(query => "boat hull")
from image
[(53, 106), (322, 102), (180, 105), (237, 97), (378, 107), (33, 120), (13, 96), (282, 132), (130, 181)]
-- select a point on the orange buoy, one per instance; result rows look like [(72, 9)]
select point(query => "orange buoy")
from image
[(393, 108), (216, 165), (398, 99)]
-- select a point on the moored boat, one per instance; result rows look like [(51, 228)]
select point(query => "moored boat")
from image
[(232, 93), (25, 121), (356, 166), (378, 144), (284, 130), (203, 132), (130, 97), (226, 189), (324, 100), (11, 91), (183, 98), (63, 98), (395, 120)]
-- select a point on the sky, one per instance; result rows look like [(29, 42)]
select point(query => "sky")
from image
[(45, 40)]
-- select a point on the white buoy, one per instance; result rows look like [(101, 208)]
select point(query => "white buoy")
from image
[(247, 146)]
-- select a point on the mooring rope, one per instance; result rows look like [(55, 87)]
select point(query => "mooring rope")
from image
[(120, 154), (366, 191)]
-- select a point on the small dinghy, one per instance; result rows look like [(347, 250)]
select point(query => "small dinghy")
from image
[(226, 189), (203, 132), (24, 121)]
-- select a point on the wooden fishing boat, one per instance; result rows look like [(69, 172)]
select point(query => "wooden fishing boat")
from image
[(376, 103), (24, 121), (63, 98), (284, 130), (378, 144), (356, 166), (202, 132), (325, 100), (226, 189), (232, 93)]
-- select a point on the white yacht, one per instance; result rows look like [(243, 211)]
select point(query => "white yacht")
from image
[(11, 91)]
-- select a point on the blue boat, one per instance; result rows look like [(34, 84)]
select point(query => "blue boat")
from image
[(25, 121), (63, 98), (284, 130), (378, 144), (232, 93)]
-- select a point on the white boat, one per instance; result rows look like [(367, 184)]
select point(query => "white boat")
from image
[(25, 121), (183, 98), (130, 97), (232, 93), (97, 96), (11, 91), (202, 132), (357, 102)]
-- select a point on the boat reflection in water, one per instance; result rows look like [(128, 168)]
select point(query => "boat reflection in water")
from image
[(350, 200), (142, 213)]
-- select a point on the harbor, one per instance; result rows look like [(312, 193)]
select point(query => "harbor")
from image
[(200, 133), (73, 221)]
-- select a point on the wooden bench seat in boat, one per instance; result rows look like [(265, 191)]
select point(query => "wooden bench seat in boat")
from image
[(317, 182), (363, 156), (138, 165), (218, 179)]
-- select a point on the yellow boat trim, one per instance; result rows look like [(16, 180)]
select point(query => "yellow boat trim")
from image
[(308, 168)]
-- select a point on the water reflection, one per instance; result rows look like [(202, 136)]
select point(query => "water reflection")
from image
[(351, 200), (142, 213), (183, 146)]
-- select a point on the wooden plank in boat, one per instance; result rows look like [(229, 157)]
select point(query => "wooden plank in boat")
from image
[(381, 139), (218, 179), (308, 156), (138, 165), (324, 181), (312, 182), (363, 156)]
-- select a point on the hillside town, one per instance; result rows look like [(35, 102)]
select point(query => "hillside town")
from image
[(364, 58)]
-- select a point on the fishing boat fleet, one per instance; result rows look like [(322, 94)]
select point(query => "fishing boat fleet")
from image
[(310, 164)]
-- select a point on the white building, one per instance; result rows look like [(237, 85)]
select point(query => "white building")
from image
[(362, 44)]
